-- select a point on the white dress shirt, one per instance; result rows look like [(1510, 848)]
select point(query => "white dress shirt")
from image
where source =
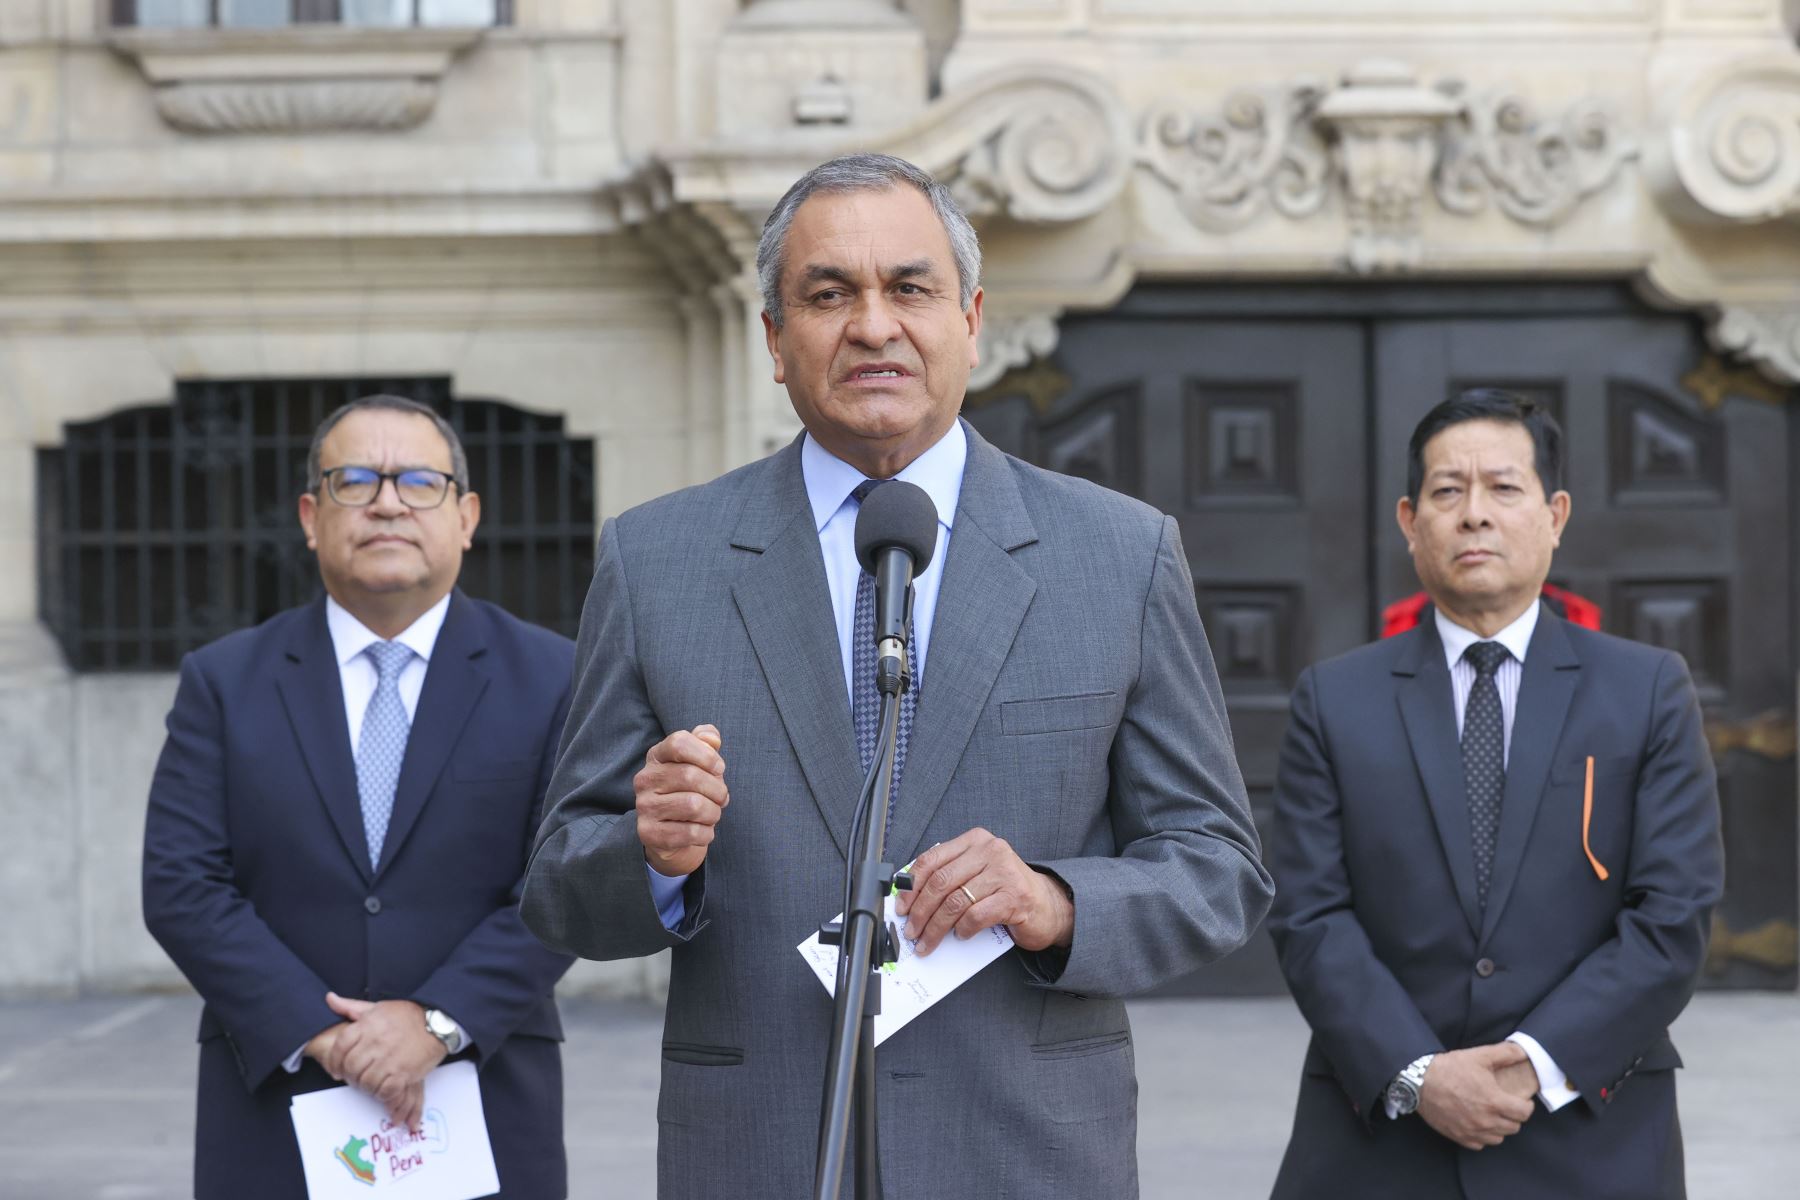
[(1553, 1084), (356, 671), (829, 482)]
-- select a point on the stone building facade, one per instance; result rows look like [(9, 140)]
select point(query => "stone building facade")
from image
[(1222, 237)]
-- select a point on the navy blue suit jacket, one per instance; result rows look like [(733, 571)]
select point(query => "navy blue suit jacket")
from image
[(1390, 955), (258, 885)]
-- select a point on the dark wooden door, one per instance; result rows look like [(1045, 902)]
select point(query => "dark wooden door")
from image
[(1273, 424), (1680, 530)]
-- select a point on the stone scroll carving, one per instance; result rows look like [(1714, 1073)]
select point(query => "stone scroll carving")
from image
[(1039, 144), (1536, 171), (1260, 152), (1385, 144), (1734, 144)]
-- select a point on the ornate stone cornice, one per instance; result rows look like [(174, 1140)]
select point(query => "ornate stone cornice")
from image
[(1385, 143), (1038, 143), (1732, 152)]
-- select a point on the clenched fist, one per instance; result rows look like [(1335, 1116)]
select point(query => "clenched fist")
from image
[(681, 795)]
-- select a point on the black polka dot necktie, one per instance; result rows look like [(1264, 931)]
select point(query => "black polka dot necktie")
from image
[(865, 704), (1484, 759)]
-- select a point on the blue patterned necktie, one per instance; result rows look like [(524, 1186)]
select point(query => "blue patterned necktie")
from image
[(382, 745), (1484, 759), (865, 707)]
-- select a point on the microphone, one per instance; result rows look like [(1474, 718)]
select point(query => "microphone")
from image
[(896, 535)]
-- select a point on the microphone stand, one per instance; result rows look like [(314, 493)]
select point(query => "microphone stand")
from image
[(865, 944)]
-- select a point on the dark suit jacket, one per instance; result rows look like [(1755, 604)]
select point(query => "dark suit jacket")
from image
[(1389, 956), (1069, 705), (257, 879)]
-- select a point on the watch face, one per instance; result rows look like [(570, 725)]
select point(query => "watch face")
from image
[(1404, 1097)]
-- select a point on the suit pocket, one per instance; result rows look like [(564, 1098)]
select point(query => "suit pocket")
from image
[(1057, 714), (694, 1055), (494, 770)]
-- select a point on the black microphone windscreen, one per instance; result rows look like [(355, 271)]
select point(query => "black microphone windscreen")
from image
[(897, 514)]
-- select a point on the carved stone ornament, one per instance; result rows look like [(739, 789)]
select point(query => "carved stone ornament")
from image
[(1386, 143), (1734, 144), (287, 107), (1012, 341), (1767, 337), (1037, 144), (1535, 171)]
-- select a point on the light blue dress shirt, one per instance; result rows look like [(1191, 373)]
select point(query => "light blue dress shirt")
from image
[(829, 482)]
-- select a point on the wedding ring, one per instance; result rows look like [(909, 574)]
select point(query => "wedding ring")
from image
[(964, 889)]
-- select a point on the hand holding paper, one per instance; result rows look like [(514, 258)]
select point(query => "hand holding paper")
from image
[(915, 982)]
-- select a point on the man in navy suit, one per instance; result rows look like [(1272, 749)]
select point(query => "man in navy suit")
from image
[(1500, 850), (340, 819)]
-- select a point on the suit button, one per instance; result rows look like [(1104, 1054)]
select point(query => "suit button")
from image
[(373, 905), (1485, 967)]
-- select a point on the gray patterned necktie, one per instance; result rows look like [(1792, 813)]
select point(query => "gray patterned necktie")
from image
[(1484, 759), (865, 706), (382, 745)]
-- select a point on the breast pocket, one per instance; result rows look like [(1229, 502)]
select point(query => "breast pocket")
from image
[(1607, 820), (1059, 714)]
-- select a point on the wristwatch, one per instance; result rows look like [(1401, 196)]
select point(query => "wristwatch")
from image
[(1403, 1093), (439, 1025)]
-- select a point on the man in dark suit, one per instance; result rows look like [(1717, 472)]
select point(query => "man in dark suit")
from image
[(1500, 849), (1068, 770), (340, 819)]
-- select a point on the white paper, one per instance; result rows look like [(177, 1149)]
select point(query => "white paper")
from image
[(916, 982), (349, 1148)]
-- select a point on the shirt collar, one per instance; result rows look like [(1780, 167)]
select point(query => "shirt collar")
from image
[(350, 637), (1515, 637), (939, 471)]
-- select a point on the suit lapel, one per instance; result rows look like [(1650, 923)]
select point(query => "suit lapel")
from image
[(981, 603), (1428, 711), (312, 692), (454, 683), (786, 608), (1545, 690)]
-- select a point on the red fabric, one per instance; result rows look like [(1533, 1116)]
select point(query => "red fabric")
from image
[(1403, 615)]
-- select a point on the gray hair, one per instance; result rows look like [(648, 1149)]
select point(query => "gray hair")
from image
[(382, 402), (863, 173)]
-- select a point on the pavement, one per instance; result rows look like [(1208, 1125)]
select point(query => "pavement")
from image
[(97, 1096)]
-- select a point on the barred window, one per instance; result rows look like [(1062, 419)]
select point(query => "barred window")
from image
[(265, 14), (163, 527)]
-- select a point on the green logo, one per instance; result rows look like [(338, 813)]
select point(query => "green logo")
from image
[(351, 1155)]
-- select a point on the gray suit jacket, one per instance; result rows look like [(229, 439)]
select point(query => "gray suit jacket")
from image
[(1070, 706)]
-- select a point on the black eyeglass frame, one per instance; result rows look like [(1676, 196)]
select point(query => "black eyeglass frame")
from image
[(382, 479)]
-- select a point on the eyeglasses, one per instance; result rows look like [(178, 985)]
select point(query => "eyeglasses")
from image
[(357, 487)]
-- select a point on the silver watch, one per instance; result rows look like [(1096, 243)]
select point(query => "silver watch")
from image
[(1403, 1093), (439, 1025)]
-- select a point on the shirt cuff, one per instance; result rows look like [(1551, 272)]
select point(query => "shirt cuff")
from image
[(1553, 1085), (291, 1064), (665, 890)]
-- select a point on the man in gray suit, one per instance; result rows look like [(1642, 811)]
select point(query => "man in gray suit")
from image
[(1069, 770)]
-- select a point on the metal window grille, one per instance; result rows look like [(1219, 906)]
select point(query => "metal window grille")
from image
[(300, 12), (161, 528)]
